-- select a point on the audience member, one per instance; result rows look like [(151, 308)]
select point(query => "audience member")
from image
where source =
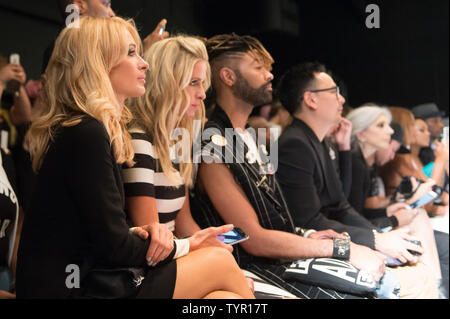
[(307, 176), (77, 217), (371, 133), (246, 193), (156, 185), (377, 197), (432, 116), (407, 164)]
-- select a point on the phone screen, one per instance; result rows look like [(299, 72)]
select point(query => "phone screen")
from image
[(428, 197), (233, 236)]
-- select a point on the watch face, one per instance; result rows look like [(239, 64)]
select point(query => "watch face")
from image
[(341, 248)]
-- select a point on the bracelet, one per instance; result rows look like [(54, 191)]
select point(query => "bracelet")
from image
[(304, 232), (341, 248), (308, 232)]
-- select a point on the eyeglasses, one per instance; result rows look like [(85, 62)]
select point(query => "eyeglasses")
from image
[(338, 92)]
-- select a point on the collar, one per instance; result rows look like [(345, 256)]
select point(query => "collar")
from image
[(221, 118), (308, 131)]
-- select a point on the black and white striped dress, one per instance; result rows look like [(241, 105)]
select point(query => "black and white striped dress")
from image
[(146, 178)]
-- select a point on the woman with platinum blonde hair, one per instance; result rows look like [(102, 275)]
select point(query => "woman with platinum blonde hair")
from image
[(156, 186), (371, 132), (76, 223)]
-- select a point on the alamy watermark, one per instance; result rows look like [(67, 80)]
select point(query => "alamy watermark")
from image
[(373, 19), (73, 279), (73, 19), (211, 146)]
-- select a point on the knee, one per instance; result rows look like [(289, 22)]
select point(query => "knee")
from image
[(220, 257)]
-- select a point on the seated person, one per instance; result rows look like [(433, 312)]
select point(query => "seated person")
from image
[(377, 197), (407, 163), (371, 133), (156, 186), (432, 116), (306, 173), (77, 215), (245, 192)]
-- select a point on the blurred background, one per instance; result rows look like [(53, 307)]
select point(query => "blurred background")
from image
[(405, 62)]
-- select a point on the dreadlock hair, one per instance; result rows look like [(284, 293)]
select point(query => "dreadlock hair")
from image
[(221, 48)]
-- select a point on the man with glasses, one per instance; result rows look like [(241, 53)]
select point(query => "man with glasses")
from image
[(308, 179)]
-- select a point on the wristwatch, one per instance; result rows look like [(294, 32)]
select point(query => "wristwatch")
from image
[(341, 248)]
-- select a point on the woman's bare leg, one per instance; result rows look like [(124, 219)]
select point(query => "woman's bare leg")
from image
[(421, 228), (210, 272)]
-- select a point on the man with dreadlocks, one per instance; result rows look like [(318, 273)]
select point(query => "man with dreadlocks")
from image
[(243, 190)]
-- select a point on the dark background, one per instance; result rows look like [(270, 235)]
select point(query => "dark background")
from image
[(405, 62)]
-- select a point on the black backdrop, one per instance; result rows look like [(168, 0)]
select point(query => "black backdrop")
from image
[(404, 62)]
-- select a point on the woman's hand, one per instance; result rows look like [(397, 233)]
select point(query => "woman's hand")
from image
[(161, 243), (208, 237), (396, 244)]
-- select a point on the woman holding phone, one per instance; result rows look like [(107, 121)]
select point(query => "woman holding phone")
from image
[(371, 132), (164, 125), (77, 219)]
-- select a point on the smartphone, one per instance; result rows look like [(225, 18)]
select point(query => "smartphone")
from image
[(425, 199), (234, 236), (14, 58)]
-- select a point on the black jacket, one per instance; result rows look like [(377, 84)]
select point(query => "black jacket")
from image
[(311, 186), (76, 215), (362, 187)]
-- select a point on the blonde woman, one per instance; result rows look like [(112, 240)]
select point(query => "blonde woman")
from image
[(156, 186), (76, 220), (371, 132)]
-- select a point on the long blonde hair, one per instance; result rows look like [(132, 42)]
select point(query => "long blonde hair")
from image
[(76, 83), (162, 108)]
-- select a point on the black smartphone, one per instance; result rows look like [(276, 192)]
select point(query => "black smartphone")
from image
[(234, 236)]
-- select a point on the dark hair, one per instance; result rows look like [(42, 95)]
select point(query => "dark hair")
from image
[(223, 47), (295, 82), (224, 44)]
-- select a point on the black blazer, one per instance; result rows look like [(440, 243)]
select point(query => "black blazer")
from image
[(76, 215), (361, 188), (312, 188)]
